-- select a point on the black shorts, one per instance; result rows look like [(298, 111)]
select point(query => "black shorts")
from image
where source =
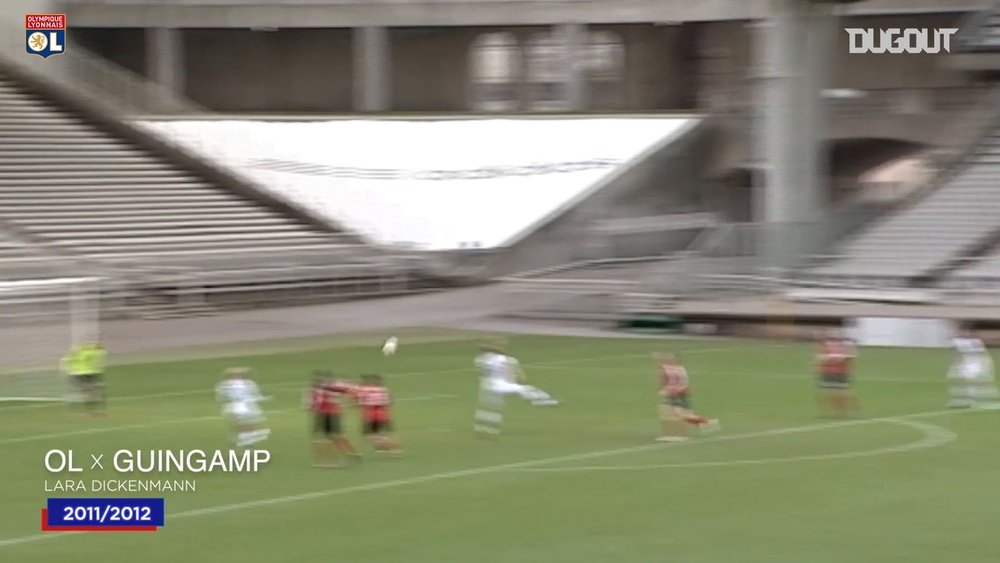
[(377, 426), (326, 424), (87, 379), (681, 401), (834, 381)]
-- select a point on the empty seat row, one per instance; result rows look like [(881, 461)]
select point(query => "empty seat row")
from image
[(930, 233), (67, 182), (986, 268)]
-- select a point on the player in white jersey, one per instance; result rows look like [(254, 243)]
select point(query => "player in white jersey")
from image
[(240, 398), (971, 373), (501, 375)]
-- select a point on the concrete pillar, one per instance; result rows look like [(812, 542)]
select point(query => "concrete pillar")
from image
[(372, 69), (651, 70), (574, 41), (687, 59), (641, 86), (441, 86), (793, 46), (165, 57), (817, 66), (522, 73)]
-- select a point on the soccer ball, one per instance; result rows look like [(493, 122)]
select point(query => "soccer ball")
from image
[(389, 348)]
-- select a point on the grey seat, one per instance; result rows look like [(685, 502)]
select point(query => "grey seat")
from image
[(68, 183), (930, 233)]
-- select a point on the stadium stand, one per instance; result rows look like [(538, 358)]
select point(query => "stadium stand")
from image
[(13, 249), (66, 181), (982, 272), (20, 259), (72, 184), (931, 232), (981, 30)]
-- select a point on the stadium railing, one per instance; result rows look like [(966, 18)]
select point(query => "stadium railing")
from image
[(684, 279), (739, 102), (224, 2), (770, 284), (142, 291), (735, 249), (790, 286)]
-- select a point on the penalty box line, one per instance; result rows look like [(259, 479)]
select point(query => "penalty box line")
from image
[(485, 470)]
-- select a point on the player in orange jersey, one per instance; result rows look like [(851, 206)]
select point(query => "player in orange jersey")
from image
[(675, 411)]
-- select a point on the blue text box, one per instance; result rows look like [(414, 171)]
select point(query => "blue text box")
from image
[(105, 512)]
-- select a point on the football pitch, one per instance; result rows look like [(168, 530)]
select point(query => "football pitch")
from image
[(905, 480)]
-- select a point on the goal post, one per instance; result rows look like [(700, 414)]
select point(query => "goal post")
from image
[(40, 321)]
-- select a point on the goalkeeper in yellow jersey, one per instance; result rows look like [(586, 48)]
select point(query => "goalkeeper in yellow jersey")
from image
[(85, 366)]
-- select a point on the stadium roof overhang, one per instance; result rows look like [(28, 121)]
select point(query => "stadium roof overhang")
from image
[(271, 14)]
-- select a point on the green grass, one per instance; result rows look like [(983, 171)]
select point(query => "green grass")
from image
[(553, 489)]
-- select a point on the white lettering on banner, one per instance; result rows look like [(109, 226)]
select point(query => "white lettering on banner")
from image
[(895, 40), (484, 173)]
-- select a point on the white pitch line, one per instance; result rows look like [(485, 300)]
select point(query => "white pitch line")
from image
[(933, 436), (484, 470), (106, 429), (304, 383)]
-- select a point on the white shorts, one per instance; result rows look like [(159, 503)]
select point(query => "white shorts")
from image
[(975, 371), (500, 387), (243, 412)]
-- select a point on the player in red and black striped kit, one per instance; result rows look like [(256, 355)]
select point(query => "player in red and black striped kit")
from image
[(375, 402), (324, 404), (834, 358), (675, 411)]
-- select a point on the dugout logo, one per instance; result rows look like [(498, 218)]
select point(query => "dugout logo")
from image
[(45, 34), (896, 40)]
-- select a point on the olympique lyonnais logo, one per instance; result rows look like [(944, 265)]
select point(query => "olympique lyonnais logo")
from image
[(45, 34)]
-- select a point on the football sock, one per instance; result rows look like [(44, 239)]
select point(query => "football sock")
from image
[(536, 395), (252, 437), (487, 421), (695, 419), (345, 446)]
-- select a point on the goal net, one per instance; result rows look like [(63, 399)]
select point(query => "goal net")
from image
[(40, 321)]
